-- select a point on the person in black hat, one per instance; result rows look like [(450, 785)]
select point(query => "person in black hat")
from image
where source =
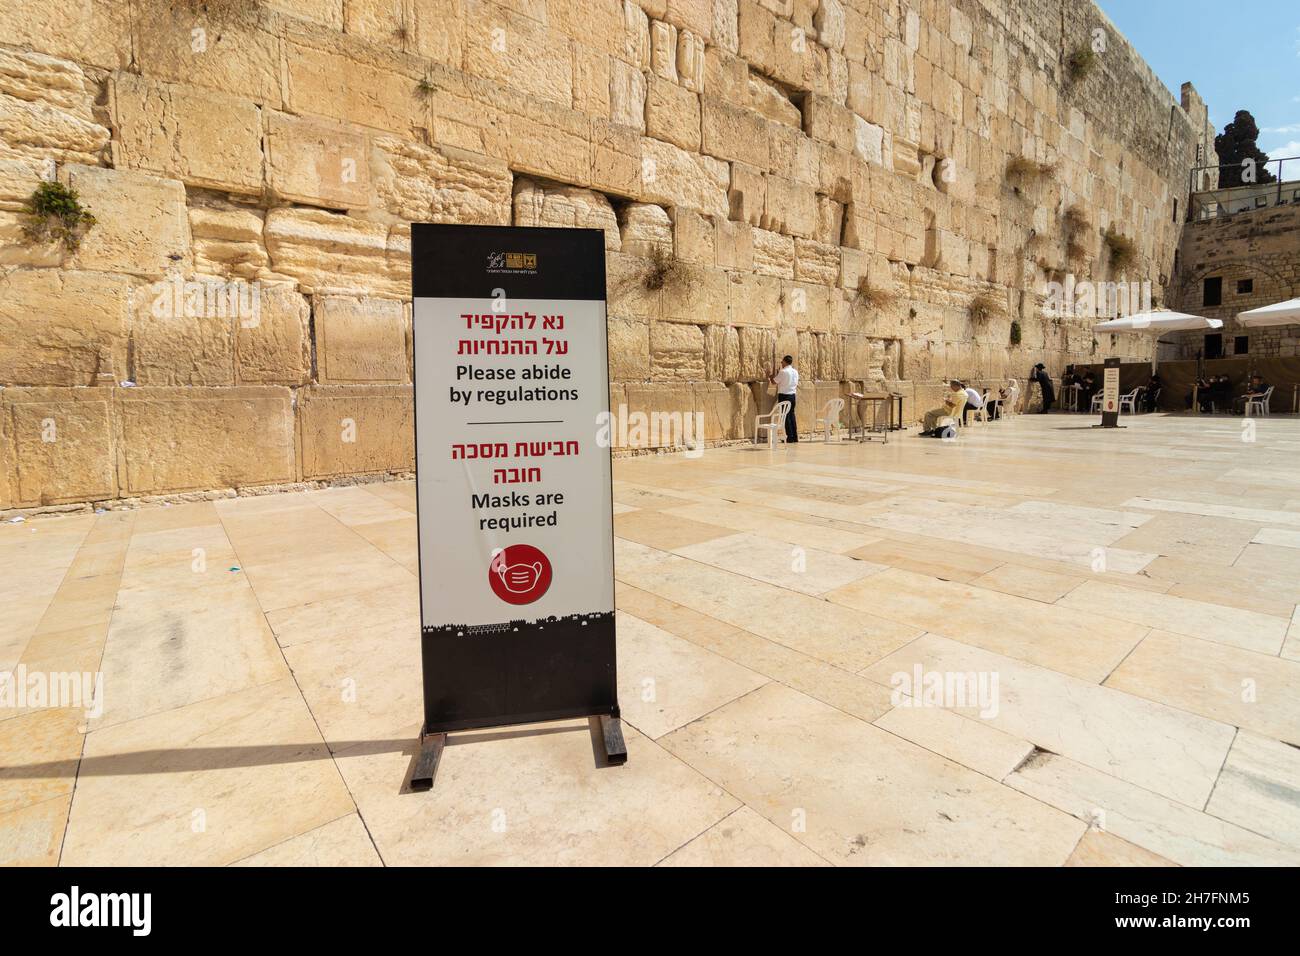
[(1039, 375)]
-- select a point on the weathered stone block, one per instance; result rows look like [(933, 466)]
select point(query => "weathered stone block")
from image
[(735, 245), (360, 340), (62, 442), (46, 109), (747, 194), (200, 137), (729, 132), (644, 228), (672, 113), (273, 347), (142, 225), (629, 350), (357, 429), (440, 184), (506, 47), (697, 294), (63, 328), (693, 237), (773, 254), (565, 206), (690, 61), (673, 177), (329, 253), (789, 207), (238, 53), (676, 352), (315, 161), (816, 262), (182, 333), (663, 50), (627, 95), (183, 439), (228, 240)]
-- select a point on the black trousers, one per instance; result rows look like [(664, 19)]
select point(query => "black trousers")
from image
[(791, 429)]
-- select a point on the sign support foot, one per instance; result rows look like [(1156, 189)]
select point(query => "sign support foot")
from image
[(426, 762), (611, 732)]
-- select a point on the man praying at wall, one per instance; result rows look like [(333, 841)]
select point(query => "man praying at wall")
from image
[(787, 382)]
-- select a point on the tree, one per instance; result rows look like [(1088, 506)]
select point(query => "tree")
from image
[(1235, 145)]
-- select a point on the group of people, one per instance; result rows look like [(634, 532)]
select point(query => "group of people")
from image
[(960, 401), (1214, 392)]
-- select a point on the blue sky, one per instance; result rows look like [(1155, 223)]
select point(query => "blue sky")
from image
[(1238, 55)]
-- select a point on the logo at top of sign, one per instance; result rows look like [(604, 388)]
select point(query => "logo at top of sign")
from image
[(519, 574), (518, 262)]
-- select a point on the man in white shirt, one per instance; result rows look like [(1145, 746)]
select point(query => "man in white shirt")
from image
[(787, 383), (974, 399)]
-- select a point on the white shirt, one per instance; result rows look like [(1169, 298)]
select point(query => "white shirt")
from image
[(787, 380), (974, 399)]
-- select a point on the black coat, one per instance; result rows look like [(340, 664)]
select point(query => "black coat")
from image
[(1045, 383)]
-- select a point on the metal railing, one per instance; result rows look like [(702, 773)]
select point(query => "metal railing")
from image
[(1206, 201)]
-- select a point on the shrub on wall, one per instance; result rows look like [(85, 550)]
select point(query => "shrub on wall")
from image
[(55, 214), (1123, 251), (1080, 63)]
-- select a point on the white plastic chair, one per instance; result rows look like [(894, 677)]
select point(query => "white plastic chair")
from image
[(772, 423), (828, 419), (1260, 404), (1096, 402), (1129, 401), (1012, 405), (981, 414)]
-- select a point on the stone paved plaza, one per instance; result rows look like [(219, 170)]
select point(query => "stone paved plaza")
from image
[(1133, 594)]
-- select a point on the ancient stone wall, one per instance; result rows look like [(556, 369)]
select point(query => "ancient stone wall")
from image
[(878, 187), (1255, 256)]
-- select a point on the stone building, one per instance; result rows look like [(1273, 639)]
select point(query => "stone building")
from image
[(880, 187)]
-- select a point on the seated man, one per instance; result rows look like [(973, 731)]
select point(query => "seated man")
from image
[(953, 403), (1255, 391), (974, 400), (1152, 394), (995, 404)]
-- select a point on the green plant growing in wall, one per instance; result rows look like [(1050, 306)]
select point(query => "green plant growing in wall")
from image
[(1123, 251), (55, 214), (875, 298), (426, 86), (1079, 63), (1015, 332)]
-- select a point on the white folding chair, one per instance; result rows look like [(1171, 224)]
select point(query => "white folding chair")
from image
[(1096, 402), (828, 419), (1129, 402), (981, 414), (772, 423), (1260, 404)]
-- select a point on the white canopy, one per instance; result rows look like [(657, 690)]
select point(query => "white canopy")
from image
[(1279, 313), (1158, 322)]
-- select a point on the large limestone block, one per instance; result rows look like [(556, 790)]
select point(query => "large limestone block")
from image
[(817, 262), (691, 15), (17, 248), (45, 110), (94, 32), (673, 177), (790, 207), (356, 429), (228, 240), (694, 237), (597, 23), (273, 347), (773, 254), (725, 26), (201, 137), (330, 82), (627, 95), (616, 161), (829, 23), (757, 353), (440, 184), (183, 333), (676, 352), (731, 133), (565, 206), (439, 30), (716, 402), (62, 444), (697, 294), (360, 340), (184, 439), (793, 155), (663, 50), (721, 353), (746, 194), (754, 299), (551, 141), (142, 227), (735, 245), (625, 283), (690, 61), (315, 161), (829, 122), (63, 328), (591, 80), (769, 100), (672, 113), (330, 253), (634, 48), (18, 180), (518, 51), (645, 227), (629, 350), (238, 52)]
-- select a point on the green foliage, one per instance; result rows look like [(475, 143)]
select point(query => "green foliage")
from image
[(1015, 332), (1080, 63), (983, 307), (875, 298), (55, 214), (663, 267)]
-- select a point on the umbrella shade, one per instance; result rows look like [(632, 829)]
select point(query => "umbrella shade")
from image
[(1279, 313), (1157, 322)]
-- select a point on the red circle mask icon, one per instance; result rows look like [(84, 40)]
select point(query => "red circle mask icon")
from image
[(519, 574)]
